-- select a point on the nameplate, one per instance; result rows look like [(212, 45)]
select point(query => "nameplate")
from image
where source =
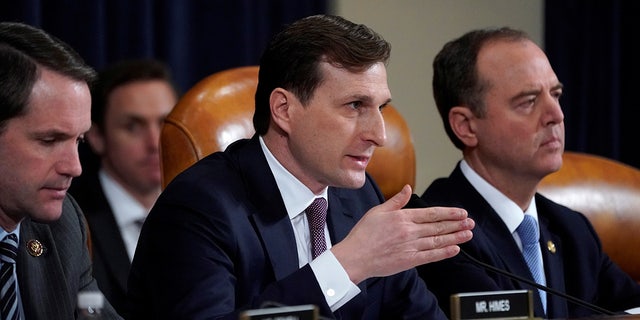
[(302, 312), (513, 304)]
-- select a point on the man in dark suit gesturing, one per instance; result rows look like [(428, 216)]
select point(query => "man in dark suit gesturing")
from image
[(45, 110), (231, 233), (499, 101)]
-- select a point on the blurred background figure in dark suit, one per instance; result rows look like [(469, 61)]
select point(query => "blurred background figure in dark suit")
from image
[(130, 101)]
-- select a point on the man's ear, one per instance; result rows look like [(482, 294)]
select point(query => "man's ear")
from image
[(95, 139), (462, 122), (279, 103)]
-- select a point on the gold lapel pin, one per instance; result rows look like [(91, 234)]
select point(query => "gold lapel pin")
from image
[(35, 248), (551, 246)]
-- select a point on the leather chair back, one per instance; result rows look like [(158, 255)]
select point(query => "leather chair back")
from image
[(219, 110), (608, 193)]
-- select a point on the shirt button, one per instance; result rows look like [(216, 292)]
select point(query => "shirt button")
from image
[(331, 292)]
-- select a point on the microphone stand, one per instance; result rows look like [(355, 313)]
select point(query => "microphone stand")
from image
[(537, 285)]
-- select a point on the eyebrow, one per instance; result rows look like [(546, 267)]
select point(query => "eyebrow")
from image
[(368, 99), (54, 133), (535, 92)]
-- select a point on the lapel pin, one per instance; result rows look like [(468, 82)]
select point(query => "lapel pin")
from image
[(551, 246), (35, 248)]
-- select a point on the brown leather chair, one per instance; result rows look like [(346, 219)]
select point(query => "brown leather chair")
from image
[(608, 193), (219, 110)]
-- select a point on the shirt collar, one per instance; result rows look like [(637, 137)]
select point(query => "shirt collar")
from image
[(4, 233), (126, 209), (296, 196), (508, 210)]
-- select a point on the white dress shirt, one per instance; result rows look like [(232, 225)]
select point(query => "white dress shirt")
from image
[(126, 210), (509, 211), (333, 279)]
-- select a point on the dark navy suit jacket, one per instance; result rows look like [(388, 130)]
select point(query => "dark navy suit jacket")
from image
[(219, 241), (578, 266), (110, 259)]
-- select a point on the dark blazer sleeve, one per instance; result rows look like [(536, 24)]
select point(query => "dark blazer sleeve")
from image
[(50, 282)]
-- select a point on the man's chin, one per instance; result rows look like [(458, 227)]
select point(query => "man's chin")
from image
[(355, 181), (50, 213)]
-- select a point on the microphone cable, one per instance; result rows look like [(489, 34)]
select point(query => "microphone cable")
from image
[(537, 285)]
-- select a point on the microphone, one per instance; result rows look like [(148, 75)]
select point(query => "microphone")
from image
[(537, 285), (417, 202)]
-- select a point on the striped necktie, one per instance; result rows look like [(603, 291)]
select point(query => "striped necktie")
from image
[(8, 293), (530, 236)]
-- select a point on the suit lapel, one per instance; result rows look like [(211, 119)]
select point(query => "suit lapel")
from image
[(493, 228), (551, 246), (271, 219), (340, 219), (280, 244), (495, 231), (41, 279), (106, 237), (107, 241)]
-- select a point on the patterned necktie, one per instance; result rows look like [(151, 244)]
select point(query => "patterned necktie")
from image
[(8, 293), (317, 216), (530, 237)]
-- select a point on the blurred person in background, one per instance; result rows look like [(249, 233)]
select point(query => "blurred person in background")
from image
[(131, 99)]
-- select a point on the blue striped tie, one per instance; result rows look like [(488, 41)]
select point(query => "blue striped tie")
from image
[(8, 294), (530, 237)]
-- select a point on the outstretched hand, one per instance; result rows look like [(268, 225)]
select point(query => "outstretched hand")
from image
[(389, 239)]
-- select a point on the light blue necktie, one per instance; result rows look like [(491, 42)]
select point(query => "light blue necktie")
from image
[(530, 237), (8, 293)]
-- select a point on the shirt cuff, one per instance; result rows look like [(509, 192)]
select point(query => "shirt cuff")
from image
[(633, 311), (333, 279)]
